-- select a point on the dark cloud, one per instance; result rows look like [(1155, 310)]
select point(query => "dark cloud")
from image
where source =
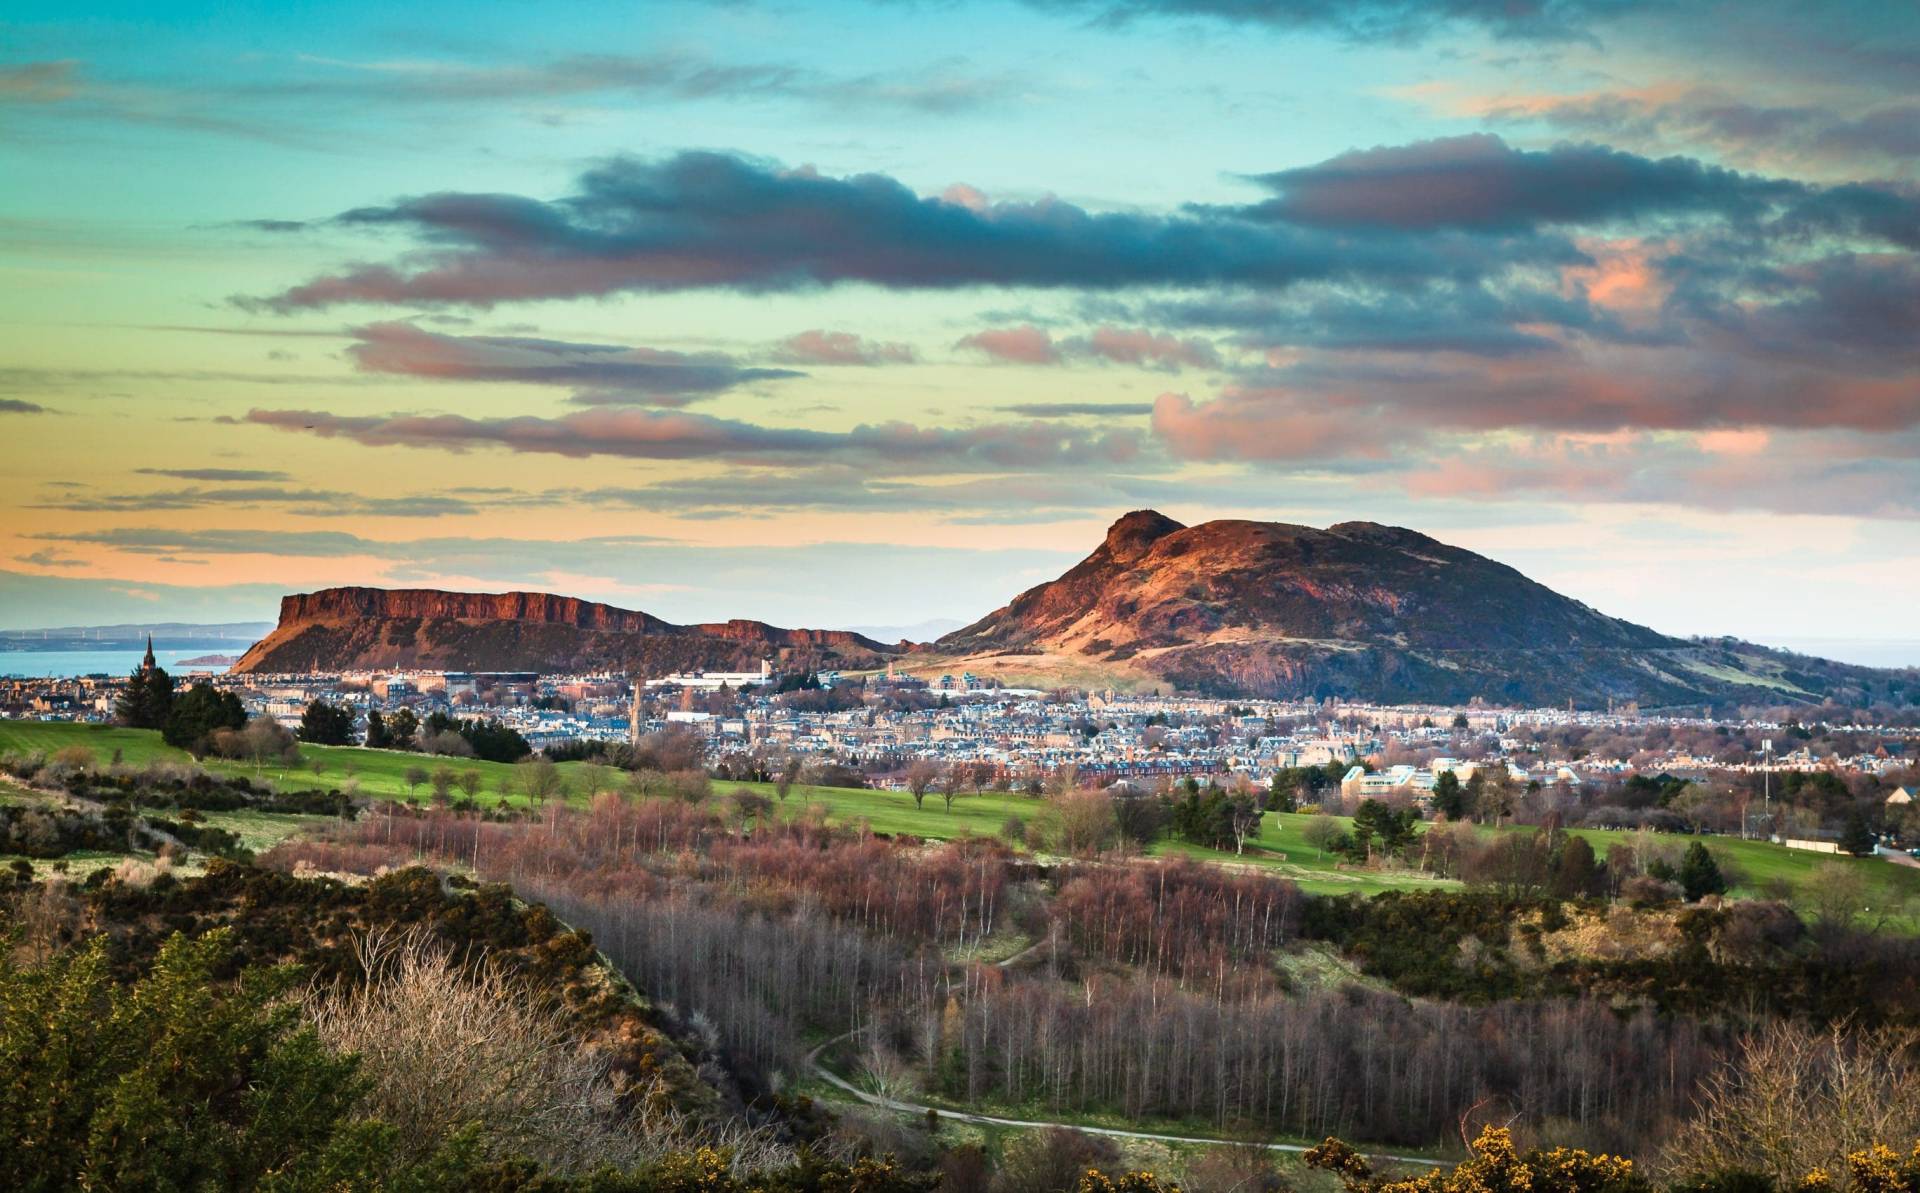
[(17, 406), (1480, 182), (600, 374), (640, 433), (709, 220), (841, 348)]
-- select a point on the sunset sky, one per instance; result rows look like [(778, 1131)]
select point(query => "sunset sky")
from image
[(870, 313)]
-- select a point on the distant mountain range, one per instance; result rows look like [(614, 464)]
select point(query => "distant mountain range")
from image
[(167, 635), (1228, 608)]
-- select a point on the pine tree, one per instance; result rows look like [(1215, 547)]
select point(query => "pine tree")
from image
[(147, 701), (1857, 839), (1700, 875)]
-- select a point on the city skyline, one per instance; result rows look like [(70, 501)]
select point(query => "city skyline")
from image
[(876, 313)]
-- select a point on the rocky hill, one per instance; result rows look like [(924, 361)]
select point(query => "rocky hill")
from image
[(345, 629), (1360, 610)]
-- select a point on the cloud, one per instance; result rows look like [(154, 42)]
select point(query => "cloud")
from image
[(302, 503), (1480, 182), (1031, 345), (1712, 118), (214, 474), (841, 348), (1375, 20), (17, 406), (938, 88), (38, 82), (601, 374), (1027, 345), (1078, 409), (639, 433), (714, 221), (47, 558)]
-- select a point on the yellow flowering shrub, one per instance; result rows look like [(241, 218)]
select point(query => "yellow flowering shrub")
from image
[(1495, 1166)]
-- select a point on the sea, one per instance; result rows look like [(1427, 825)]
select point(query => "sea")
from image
[(35, 664)]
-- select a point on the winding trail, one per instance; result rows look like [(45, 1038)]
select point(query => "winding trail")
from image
[(882, 1102)]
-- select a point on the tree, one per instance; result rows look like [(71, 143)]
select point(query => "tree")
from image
[(1700, 875), (1577, 873), (1856, 838), (326, 724), (789, 771), (539, 780), (413, 776), (952, 779), (469, 783), (442, 781), (183, 1080), (401, 727), (1449, 798), (147, 700), (1321, 832), (921, 773), (199, 714), (377, 736)]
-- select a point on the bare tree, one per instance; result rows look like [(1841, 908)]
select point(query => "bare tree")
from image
[(413, 777), (921, 773), (952, 779), (1799, 1098), (539, 780)]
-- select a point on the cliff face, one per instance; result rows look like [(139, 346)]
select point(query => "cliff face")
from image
[(1359, 610), (344, 629)]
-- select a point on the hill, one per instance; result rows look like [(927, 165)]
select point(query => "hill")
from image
[(345, 629), (1365, 611)]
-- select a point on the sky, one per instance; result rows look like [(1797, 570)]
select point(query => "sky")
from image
[(878, 312)]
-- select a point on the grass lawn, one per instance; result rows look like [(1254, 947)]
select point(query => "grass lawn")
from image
[(1280, 848)]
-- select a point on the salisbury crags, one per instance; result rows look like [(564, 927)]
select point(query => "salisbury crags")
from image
[(344, 629)]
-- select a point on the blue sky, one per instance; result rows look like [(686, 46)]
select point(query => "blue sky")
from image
[(876, 312)]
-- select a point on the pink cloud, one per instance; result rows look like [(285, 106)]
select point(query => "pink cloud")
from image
[(1025, 345), (841, 348)]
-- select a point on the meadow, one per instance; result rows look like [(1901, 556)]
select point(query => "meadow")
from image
[(1281, 846)]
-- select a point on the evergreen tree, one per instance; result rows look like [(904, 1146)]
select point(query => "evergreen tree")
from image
[(1700, 875), (1449, 798), (197, 715), (326, 724), (147, 700), (377, 736), (1857, 839), (1576, 872)]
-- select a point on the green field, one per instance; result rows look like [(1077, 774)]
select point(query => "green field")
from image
[(1280, 847)]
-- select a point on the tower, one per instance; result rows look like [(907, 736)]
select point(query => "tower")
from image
[(148, 664)]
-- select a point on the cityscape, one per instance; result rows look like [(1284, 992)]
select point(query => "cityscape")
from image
[(960, 596)]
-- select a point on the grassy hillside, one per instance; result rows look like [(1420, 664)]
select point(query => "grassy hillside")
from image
[(1280, 848)]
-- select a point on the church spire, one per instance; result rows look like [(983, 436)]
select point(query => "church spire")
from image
[(148, 663)]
